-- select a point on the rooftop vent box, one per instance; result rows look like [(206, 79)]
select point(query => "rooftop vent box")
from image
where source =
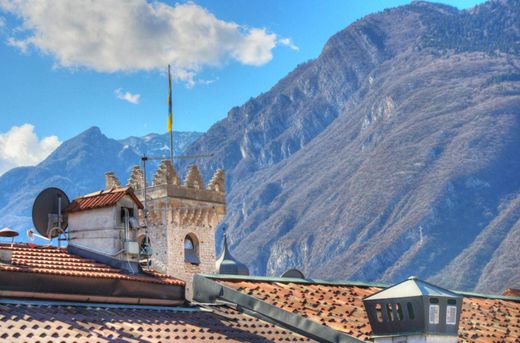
[(414, 311), (132, 248), (6, 256)]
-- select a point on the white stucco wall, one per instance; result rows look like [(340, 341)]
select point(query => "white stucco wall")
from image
[(100, 230)]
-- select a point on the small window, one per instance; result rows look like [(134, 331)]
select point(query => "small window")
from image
[(130, 213), (434, 314), (434, 311), (399, 311), (379, 314), (451, 315), (389, 312), (191, 249), (452, 302), (411, 313)]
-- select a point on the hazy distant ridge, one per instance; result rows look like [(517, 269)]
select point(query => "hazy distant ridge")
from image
[(78, 167)]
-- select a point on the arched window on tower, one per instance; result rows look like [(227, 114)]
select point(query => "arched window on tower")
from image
[(191, 249)]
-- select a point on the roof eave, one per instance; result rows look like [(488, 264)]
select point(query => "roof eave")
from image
[(66, 287)]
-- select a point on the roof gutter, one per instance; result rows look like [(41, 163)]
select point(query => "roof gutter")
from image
[(311, 281), (206, 290), (89, 298)]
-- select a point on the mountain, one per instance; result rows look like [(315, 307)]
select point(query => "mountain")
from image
[(159, 145), (394, 153), (77, 167)]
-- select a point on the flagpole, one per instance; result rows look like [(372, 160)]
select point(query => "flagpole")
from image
[(171, 146), (170, 113)]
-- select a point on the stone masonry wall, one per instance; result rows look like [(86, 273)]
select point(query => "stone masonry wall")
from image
[(175, 211)]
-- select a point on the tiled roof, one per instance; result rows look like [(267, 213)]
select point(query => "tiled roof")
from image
[(44, 323), (484, 320), (340, 308), (105, 198), (52, 260)]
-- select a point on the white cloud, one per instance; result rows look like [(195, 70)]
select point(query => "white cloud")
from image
[(208, 82), (255, 48), (21, 147), (114, 35), (22, 45), (127, 96), (288, 43)]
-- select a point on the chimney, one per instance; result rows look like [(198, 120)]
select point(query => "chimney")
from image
[(414, 311), (111, 181)]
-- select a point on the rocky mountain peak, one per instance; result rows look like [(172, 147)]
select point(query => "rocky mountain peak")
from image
[(90, 134)]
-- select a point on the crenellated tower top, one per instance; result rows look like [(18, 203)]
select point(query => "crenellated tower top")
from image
[(166, 183)]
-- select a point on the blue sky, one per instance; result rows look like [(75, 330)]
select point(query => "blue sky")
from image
[(66, 67)]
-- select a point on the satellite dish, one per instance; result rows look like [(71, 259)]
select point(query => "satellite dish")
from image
[(47, 212), (293, 273)]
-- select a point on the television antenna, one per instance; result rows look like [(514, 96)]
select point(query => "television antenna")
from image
[(47, 213)]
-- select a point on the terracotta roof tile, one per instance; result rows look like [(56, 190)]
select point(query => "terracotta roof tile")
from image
[(93, 324), (341, 308), (105, 198), (52, 260)]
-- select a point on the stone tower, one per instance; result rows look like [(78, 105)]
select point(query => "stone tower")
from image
[(182, 218)]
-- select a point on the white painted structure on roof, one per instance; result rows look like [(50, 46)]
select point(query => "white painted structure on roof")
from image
[(109, 230), (414, 311), (102, 230), (417, 339)]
